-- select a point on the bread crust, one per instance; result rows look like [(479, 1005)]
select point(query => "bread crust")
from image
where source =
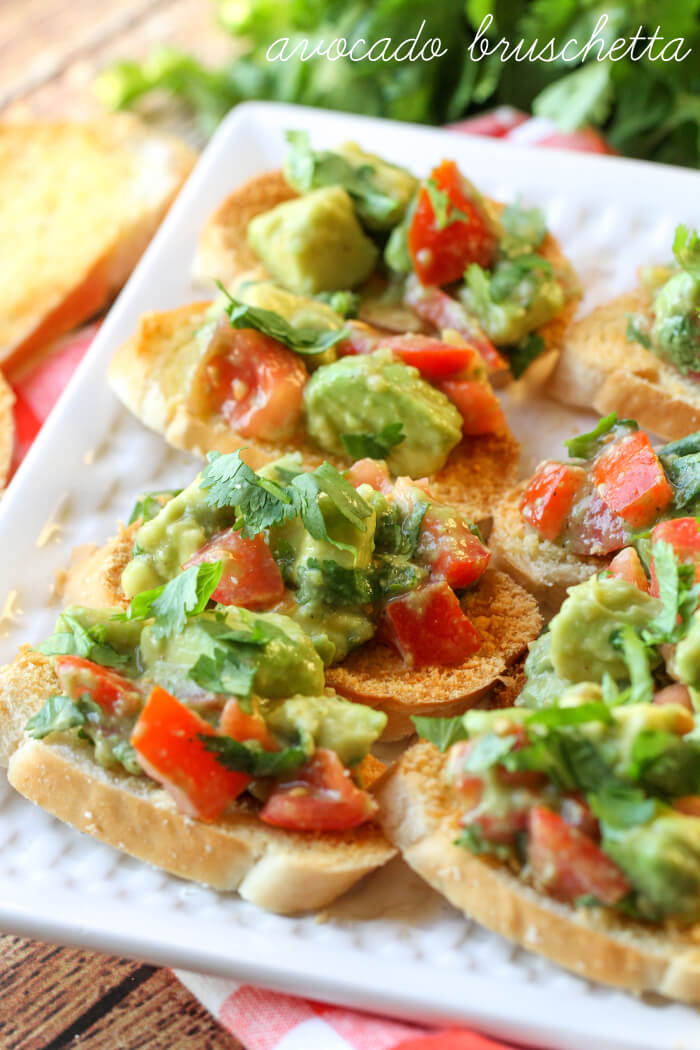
[(420, 814), (282, 871), (7, 430), (544, 569), (599, 368), (153, 372), (105, 186)]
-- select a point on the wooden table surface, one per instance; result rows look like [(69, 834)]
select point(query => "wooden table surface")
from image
[(54, 997)]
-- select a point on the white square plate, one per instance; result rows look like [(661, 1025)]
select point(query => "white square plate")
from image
[(390, 945)]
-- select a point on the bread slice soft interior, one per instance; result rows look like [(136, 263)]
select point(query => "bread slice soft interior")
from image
[(420, 814), (282, 871), (78, 205)]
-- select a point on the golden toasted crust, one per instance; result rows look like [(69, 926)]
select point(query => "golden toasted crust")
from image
[(7, 430), (600, 369), (101, 190), (540, 566), (420, 814), (282, 871), (153, 372), (94, 574), (507, 619), (223, 252)]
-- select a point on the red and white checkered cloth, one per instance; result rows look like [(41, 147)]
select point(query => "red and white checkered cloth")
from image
[(264, 1020)]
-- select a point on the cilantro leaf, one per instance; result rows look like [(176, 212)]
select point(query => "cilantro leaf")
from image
[(337, 585), (373, 446), (229, 482), (508, 273), (345, 303), (443, 732), (472, 839), (621, 805), (185, 595), (227, 672), (681, 462), (150, 504), (665, 762), (678, 593), (251, 758), (636, 657), (392, 575), (686, 248), (306, 341), (521, 356), (586, 446), (637, 331), (445, 212), (524, 225), (88, 642), (397, 532), (57, 715)]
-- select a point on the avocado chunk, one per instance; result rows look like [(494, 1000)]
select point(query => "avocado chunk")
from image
[(509, 305), (675, 332), (543, 686), (314, 243), (327, 721), (363, 394), (582, 647)]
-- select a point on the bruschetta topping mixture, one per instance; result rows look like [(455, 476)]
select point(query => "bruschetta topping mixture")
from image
[(671, 328), (211, 706), (614, 486), (345, 557)]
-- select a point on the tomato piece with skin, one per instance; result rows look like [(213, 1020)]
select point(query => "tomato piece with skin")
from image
[(599, 531), (428, 626), (321, 796), (628, 566), (433, 358), (369, 472), (110, 690), (478, 405), (250, 576), (441, 253), (568, 864), (675, 693), (683, 535), (166, 741), (549, 497), (688, 804), (254, 382), (630, 479), (431, 304), (578, 814), (450, 548), (243, 725)]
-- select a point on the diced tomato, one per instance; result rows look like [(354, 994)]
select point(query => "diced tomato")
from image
[(109, 689), (480, 408), (675, 693), (431, 304), (688, 804), (433, 358), (500, 827), (428, 626), (243, 725), (627, 565), (578, 814), (442, 253), (470, 784), (599, 531), (166, 740), (362, 338), (250, 576), (321, 796), (451, 550), (368, 472), (631, 480), (254, 381), (549, 497), (583, 140), (568, 864), (27, 426), (683, 535)]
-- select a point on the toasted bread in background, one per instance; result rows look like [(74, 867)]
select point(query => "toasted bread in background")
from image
[(543, 568), (600, 368), (7, 430), (78, 205), (420, 814), (282, 871), (152, 374)]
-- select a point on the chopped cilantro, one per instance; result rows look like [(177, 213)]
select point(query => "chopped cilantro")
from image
[(88, 642), (150, 504), (637, 331), (445, 212), (443, 732), (521, 356), (686, 248), (251, 758), (586, 446), (185, 595), (306, 341), (373, 446)]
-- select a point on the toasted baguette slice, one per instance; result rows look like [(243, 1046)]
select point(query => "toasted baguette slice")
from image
[(282, 871), (599, 368), (505, 615), (153, 372), (100, 191), (223, 253), (420, 814), (7, 430), (543, 568)]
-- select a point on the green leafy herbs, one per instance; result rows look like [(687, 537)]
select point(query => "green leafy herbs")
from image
[(304, 341), (373, 446), (471, 839), (398, 532), (172, 603), (261, 503), (637, 331), (525, 227), (335, 585), (345, 303), (445, 212), (227, 672), (686, 248), (509, 273), (636, 656), (678, 593), (60, 714), (587, 446), (443, 732), (666, 763), (89, 642), (150, 504), (521, 356), (620, 805), (681, 462), (251, 758)]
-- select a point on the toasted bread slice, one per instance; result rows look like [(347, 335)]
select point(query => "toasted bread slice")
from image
[(223, 253), (505, 615), (7, 430), (599, 368), (78, 203), (282, 871), (507, 619), (420, 814), (153, 372), (543, 568)]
